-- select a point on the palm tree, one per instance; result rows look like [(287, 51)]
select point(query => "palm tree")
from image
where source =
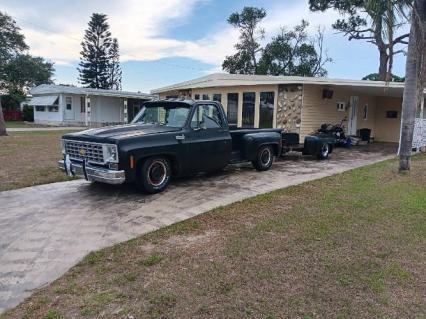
[(387, 16), (414, 73)]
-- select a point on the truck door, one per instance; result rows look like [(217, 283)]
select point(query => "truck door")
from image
[(209, 143)]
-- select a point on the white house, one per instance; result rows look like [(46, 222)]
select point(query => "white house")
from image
[(69, 105)]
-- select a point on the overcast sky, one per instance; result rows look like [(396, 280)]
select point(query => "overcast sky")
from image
[(166, 41)]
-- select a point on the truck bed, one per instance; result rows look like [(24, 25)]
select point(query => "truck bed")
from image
[(237, 134)]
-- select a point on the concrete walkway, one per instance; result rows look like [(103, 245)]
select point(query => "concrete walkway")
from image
[(38, 129), (45, 230)]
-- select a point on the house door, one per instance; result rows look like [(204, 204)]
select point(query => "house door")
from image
[(69, 109), (353, 111)]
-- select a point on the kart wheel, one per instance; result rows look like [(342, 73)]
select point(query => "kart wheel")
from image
[(323, 151)]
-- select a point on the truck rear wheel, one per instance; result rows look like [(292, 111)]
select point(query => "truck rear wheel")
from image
[(154, 175), (323, 151), (264, 158)]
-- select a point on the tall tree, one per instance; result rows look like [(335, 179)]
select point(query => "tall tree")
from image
[(376, 21), (245, 61), (94, 58), (115, 72), (11, 43), (18, 70), (414, 81), (295, 53)]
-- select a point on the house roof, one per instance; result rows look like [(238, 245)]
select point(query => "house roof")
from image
[(224, 79), (58, 89)]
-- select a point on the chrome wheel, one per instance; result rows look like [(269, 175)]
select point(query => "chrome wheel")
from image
[(266, 157), (157, 173)]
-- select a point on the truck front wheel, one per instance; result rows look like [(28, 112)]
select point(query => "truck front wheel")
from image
[(264, 158), (154, 175)]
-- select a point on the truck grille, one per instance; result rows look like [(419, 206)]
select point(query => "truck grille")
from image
[(93, 152)]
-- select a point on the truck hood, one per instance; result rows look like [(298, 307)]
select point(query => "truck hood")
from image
[(120, 132)]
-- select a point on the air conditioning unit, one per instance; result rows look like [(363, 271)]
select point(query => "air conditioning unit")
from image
[(327, 94)]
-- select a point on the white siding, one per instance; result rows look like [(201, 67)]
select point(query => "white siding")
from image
[(47, 117), (107, 109)]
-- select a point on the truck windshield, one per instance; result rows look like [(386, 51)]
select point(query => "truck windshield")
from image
[(173, 116)]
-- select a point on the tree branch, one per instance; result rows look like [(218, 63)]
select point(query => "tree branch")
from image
[(400, 39)]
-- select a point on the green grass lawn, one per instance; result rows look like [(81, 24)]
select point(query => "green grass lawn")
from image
[(30, 158), (15, 124), (347, 246)]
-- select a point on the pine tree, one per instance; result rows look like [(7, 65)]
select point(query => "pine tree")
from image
[(94, 61), (115, 72)]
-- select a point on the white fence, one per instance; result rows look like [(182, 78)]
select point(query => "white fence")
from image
[(419, 138)]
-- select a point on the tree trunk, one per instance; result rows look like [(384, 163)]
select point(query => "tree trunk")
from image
[(383, 66), (410, 98), (2, 122)]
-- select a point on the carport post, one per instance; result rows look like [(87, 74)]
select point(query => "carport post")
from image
[(125, 111), (88, 111)]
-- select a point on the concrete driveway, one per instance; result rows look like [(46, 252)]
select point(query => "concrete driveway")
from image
[(45, 230)]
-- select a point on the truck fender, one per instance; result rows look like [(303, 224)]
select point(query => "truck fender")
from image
[(313, 144), (253, 141)]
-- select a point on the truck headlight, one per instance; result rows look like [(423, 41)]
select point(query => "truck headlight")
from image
[(63, 149), (110, 153)]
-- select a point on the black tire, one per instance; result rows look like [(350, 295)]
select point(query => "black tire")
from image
[(323, 151), (154, 174), (264, 158)]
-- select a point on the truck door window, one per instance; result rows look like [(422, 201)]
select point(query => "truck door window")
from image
[(206, 117)]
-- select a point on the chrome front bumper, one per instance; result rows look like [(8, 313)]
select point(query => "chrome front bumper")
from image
[(92, 173)]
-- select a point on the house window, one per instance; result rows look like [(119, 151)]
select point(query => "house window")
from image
[(205, 97), (68, 103), (82, 104), (232, 108), (197, 96), (249, 99), (53, 108), (365, 112), (40, 108), (392, 114), (266, 115), (217, 98)]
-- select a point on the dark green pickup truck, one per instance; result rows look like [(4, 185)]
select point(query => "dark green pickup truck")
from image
[(167, 138)]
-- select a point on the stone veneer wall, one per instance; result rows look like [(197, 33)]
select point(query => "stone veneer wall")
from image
[(289, 112)]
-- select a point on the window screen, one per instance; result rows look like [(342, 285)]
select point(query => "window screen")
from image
[(249, 99), (266, 115), (68, 102), (82, 104), (217, 98), (232, 108)]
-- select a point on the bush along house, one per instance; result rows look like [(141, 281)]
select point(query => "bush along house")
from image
[(75, 106), (302, 104)]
